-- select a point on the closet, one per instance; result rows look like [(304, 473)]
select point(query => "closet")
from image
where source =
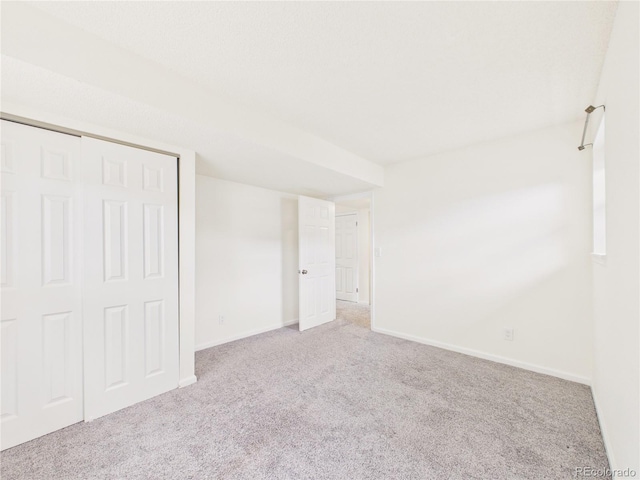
[(89, 260)]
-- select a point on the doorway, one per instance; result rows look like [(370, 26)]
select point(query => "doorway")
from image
[(353, 260)]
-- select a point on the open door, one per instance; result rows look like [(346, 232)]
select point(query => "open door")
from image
[(317, 262)]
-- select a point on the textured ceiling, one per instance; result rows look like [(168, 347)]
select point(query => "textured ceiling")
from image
[(389, 81)]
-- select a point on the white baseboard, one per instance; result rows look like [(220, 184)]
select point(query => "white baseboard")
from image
[(488, 356), (240, 336), (613, 465), (185, 382)]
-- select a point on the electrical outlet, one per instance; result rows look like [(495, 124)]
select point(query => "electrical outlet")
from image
[(221, 319), (507, 334)]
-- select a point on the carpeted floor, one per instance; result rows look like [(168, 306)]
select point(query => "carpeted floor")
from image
[(334, 402), (358, 313)]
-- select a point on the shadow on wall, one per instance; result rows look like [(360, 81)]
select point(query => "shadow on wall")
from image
[(289, 246), (489, 249), (487, 237), (485, 259)]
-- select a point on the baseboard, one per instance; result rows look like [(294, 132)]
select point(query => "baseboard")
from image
[(240, 336), (487, 356), (185, 382), (613, 465)]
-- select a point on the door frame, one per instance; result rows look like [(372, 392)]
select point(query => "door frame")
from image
[(357, 252), (370, 194), (186, 211)]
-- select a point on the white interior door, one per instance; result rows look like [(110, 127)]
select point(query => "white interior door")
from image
[(131, 275), (316, 237), (41, 327), (347, 257)]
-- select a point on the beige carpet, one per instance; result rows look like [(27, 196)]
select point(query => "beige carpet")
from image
[(335, 402), (357, 313)]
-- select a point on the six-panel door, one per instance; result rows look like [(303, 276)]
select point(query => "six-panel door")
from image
[(130, 295), (317, 259), (89, 260), (347, 257), (41, 323)]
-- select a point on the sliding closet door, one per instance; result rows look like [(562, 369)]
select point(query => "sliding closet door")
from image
[(131, 275), (41, 327)]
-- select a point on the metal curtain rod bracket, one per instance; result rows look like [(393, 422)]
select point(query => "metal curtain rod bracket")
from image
[(589, 110)]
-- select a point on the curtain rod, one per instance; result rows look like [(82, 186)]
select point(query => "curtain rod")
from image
[(589, 110)]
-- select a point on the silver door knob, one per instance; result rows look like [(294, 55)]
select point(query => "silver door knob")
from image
[(304, 272)]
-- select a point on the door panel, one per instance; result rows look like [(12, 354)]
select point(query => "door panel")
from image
[(131, 275), (317, 262), (347, 257), (41, 323)]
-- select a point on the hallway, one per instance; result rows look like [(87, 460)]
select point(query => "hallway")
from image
[(356, 313)]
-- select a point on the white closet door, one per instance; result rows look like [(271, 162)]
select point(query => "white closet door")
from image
[(41, 327), (131, 275), (347, 257)]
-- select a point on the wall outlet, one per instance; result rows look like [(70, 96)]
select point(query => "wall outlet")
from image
[(221, 319), (507, 334)]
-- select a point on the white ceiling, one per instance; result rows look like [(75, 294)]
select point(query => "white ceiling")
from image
[(219, 154), (387, 81)]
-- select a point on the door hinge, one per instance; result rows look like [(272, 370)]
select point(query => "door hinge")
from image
[(356, 224), (357, 290)]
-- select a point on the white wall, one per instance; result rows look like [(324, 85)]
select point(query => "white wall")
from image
[(617, 283), (364, 252), (491, 236), (246, 260)]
